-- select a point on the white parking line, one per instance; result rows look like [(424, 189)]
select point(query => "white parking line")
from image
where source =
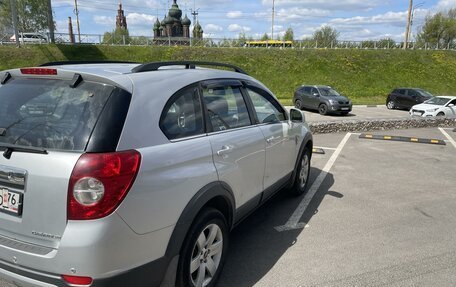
[(328, 148), (293, 221), (450, 139)]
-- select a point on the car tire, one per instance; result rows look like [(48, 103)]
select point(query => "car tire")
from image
[(302, 174), (197, 258), (298, 104), (391, 105), (323, 109), (441, 114)]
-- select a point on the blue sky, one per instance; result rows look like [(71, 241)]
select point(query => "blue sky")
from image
[(354, 19)]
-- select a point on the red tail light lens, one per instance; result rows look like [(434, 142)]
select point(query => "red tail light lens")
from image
[(77, 280), (99, 182), (38, 71)]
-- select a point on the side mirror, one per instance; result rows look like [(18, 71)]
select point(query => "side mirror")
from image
[(451, 105), (316, 95), (297, 116)]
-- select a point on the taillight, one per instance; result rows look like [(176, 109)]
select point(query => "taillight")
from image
[(77, 280), (99, 182), (38, 71)]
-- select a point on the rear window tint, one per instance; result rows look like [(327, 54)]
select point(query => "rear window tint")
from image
[(49, 114)]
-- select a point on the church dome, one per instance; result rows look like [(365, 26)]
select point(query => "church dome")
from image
[(168, 20), (157, 24), (175, 12), (186, 21), (163, 22)]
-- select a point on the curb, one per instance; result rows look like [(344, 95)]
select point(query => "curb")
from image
[(378, 124)]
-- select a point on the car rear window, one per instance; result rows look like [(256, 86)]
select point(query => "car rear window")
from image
[(49, 114)]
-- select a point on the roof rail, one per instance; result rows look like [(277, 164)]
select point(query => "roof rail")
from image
[(154, 66), (63, 63)]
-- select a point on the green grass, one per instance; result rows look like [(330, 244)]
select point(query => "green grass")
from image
[(365, 76)]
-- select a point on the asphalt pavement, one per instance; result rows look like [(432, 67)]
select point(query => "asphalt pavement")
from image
[(384, 215), (377, 213)]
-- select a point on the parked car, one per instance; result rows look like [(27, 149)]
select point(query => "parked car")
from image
[(32, 38), (324, 99), (441, 106), (133, 174), (405, 98)]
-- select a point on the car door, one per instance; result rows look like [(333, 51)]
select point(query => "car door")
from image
[(238, 146), (306, 96), (450, 109), (411, 99), (281, 147), (314, 98), (402, 97)]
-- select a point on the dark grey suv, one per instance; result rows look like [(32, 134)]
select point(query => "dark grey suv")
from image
[(322, 98)]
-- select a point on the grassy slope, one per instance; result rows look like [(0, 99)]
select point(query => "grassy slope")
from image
[(366, 76)]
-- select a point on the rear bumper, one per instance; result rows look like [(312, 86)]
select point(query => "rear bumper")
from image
[(106, 250), (148, 275)]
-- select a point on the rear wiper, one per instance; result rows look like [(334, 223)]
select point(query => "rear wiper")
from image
[(9, 148)]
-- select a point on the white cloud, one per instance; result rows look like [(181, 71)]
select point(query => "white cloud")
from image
[(343, 5), (238, 28), (136, 19), (296, 13), (444, 5), (234, 14), (391, 18), (212, 28), (104, 20)]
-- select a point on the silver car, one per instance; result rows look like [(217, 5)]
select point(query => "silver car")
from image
[(120, 174)]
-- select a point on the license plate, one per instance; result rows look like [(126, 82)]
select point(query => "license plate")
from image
[(345, 109), (10, 202)]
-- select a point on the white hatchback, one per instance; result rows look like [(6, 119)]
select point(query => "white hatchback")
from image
[(442, 106)]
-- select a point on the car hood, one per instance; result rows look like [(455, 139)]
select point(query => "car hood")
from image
[(338, 98), (425, 107)]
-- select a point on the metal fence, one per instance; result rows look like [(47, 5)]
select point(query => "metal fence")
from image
[(97, 39)]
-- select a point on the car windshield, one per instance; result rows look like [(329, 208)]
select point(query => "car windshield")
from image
[(328, 92), (437, 101), (425, 93), (50, 114)]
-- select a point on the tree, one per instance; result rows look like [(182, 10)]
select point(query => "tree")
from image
[(289, 35), (326, 36), (386, 43), (32, 15), (439, 29), (118, 36), (265, 37)]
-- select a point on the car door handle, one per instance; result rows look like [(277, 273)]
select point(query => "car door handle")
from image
[(225, 149), (272, 139)]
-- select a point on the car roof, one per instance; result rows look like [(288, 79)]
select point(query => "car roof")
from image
[(121, 74), (446, 97), (316, 86)]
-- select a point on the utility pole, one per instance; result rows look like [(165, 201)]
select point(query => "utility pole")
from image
[(76, 11), (51, 22), (407, 30), (14, 16), (273, 12)]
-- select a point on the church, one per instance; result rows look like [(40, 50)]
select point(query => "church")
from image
[(173, 26)]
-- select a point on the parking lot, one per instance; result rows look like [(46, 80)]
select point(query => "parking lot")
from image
[(383, 215), (377, 213)]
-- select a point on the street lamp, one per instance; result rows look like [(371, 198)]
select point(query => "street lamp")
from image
[(411, 18)]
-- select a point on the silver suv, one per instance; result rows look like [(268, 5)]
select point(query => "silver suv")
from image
[(120, 174)]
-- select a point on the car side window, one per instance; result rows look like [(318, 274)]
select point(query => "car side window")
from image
[(226, 108), (266, 108), (413, 93), (314, 91), (182, 116), (307, 91), (401, 92), (452, 102)]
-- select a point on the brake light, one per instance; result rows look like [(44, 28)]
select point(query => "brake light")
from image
[(99, 182), (77, 280), (38, 71)]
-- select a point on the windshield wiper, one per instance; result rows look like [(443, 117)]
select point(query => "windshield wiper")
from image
[(9, 148)]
